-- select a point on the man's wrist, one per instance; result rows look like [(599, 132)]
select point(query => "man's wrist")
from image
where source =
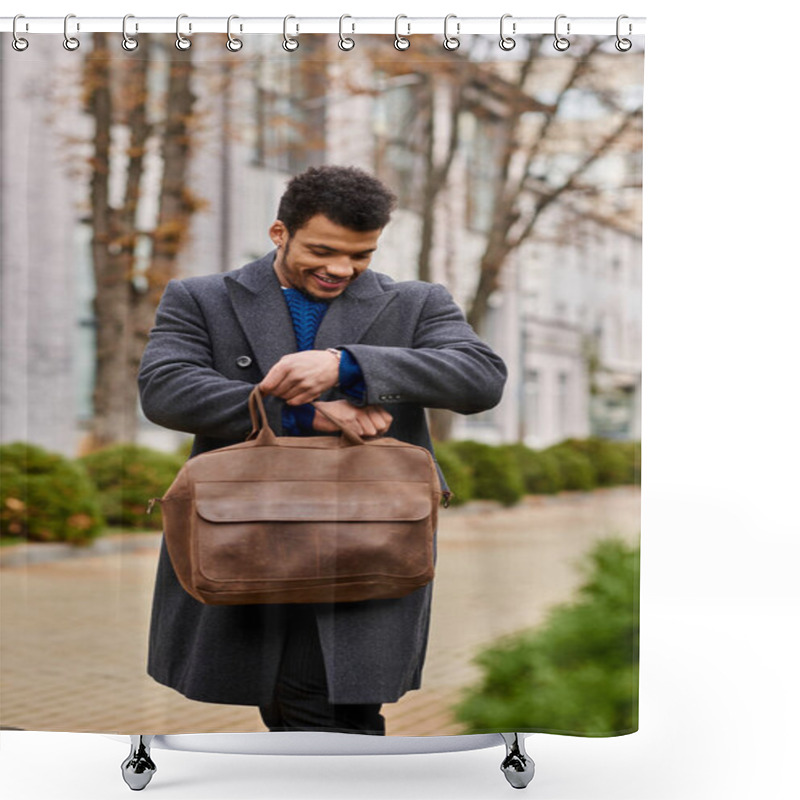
[(337, 354)]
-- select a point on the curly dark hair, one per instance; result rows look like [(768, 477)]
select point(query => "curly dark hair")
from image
[(347, 196)]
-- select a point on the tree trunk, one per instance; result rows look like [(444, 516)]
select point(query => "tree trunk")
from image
[(112, 419), (123, 306), (440, 422), (176, 206), (436, 172), (429, 190)]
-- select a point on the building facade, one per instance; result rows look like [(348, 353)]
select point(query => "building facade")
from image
[(566, 315)]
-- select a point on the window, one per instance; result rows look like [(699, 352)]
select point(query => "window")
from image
[(562, 403), (85, 322), (531, 405), (481, 136), (289, 118), (401, 130)]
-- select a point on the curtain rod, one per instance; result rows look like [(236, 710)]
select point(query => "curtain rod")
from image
[(404, 25)]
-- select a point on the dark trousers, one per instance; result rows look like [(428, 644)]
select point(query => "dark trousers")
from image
[(300, 701)]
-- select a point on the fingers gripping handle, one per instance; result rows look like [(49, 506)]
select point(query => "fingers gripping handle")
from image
[(347, 432), (262, 432)]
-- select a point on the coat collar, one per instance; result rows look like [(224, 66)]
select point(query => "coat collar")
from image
[(262, 312)]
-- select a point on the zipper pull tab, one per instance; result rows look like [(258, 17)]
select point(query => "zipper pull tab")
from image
[(153, 501), (446, 499)]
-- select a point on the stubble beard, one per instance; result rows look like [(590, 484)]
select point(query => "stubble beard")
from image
[(284, 254)]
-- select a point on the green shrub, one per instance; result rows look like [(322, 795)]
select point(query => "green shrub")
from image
[(127, 476), (494, 472), (577, 472), (539, 470), (611, 464), (579, 672), (184, 450), (456, 473), (632, 450), (45, 497)]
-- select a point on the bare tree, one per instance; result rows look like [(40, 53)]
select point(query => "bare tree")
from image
[(527, 131), (520, 196), (132, 266)]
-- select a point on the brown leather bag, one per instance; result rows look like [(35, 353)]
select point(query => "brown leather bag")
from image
[(318, 519)]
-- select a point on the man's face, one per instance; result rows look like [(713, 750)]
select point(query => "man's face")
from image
[(322, 258)]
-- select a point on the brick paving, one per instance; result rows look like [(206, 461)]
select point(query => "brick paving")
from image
[(74, 623)]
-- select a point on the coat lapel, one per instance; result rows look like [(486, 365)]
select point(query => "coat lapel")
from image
[(351, 315), (262, 312)]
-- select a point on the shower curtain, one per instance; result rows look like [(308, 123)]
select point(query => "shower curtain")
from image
[(518, 184)]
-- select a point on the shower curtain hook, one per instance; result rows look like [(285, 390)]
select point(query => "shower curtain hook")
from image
[(71, 43), (290, 44), (560, 43), (507, 42), (451, 42), (233, 44), (129, 43), (400, 42), (181, 42), (345, 42), (623, 45), (18, 43)]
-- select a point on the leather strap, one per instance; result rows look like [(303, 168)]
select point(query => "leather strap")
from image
[(261, 429)]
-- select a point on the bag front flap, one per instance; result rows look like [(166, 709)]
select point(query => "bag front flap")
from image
[(313, 501)]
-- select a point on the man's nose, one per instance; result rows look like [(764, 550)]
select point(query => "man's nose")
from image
[(341, 266)]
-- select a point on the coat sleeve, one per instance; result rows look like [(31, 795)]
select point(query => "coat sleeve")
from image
[(447, 366), (178, 384)]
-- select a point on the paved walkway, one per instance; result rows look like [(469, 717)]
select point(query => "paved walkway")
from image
[(74, 629)]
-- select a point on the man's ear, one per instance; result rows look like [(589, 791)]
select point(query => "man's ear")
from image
[(279, 233)]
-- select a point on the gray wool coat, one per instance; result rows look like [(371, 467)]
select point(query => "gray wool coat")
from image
[(214, 338)]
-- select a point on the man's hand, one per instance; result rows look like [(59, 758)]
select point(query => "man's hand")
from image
[(365, 420), (301, 377)]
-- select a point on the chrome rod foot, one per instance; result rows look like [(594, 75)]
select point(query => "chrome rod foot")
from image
[(517, 766), (138, 768)]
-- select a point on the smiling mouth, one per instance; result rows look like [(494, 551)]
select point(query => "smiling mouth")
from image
[(326, 281)]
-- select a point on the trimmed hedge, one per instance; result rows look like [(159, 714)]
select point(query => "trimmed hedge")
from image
[(539, 470), (184, 450), (577, 471), (494, 472), (456, 473), (45, 497), (506, 472), (127, 476), (632, 450), (611, 464)]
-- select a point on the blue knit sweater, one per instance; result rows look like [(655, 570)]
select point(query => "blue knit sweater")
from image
[(307, 316)]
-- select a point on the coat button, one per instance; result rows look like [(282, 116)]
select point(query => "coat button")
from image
[(244, 361)]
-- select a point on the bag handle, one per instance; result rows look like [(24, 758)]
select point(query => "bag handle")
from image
[(261, 430), (265, 436)]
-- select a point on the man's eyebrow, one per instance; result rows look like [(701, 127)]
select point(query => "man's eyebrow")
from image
[(328, 249)]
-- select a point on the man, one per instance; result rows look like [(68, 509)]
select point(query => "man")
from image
[(307, 321)]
